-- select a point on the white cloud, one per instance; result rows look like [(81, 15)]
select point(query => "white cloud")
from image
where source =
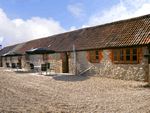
[(123, 10), (72, 28), (18, 30), (85, 26), (76, 10)]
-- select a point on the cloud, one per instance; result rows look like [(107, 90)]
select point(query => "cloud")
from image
[(76, 10), (18, 30), (72, 28), (123, 10)]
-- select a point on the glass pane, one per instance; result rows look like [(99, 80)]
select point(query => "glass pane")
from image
[(121, 58), (115, 58), (96, 52), (92, 58), (121, 52), (134, 58), (127, 58), (115, 52), (92, 53), (96, 58), (134, 51), (127, 51)]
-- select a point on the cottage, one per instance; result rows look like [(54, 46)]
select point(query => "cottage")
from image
[(114, 50)]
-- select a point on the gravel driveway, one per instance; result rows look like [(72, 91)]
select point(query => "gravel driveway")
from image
[(23, 92)]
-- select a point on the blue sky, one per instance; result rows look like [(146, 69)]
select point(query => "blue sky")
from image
[(23, 20)]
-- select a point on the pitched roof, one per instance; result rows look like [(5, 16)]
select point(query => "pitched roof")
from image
[(7, 49), (124, 33)]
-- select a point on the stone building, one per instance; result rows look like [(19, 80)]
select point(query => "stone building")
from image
[(114, 50)]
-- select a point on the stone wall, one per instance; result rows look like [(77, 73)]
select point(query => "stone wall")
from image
[(14, 60), (149, 76), (54, 60), (4, 62), (106, 68)]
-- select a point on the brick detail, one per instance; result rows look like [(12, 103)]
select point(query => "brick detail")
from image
[(60, 55), (88, 56), (42, 58), (69, 56), (100, 55)]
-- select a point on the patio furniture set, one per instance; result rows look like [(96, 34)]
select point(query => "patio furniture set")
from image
[(13, 65), (42, 67)]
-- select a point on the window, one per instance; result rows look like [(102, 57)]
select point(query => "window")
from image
[(45, 57), (94, 56), (27, 58), (115, 55), (125, 55), (5, 58)]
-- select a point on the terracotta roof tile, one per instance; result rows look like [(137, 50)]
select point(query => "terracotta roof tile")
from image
[(7, 49), (130, 32)]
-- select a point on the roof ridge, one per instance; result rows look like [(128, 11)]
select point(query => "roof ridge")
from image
[(105, 24)]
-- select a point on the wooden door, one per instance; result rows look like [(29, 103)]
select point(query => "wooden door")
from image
[(1, 63), (19, 61), (65, 68)]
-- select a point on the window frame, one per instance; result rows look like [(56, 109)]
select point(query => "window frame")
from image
[(94, 55), (27, 59), (45, 57), (124, 55)]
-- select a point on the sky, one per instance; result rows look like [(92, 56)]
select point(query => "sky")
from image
[(24, 20)]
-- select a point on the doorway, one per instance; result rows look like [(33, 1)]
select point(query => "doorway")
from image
[(1, 63), (65, 66), (19, 61)]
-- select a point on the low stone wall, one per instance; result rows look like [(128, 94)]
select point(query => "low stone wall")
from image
[(106, 68)]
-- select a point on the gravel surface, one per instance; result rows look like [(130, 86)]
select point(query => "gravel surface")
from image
[(23, 92)]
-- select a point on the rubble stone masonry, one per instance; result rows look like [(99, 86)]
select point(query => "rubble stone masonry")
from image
[(106, 68), (54, 60)]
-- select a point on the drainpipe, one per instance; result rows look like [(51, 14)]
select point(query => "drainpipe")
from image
[(75, 60)]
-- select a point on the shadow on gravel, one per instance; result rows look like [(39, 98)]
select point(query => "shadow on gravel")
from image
[(23, 72), (145, 86), (71, 78)]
